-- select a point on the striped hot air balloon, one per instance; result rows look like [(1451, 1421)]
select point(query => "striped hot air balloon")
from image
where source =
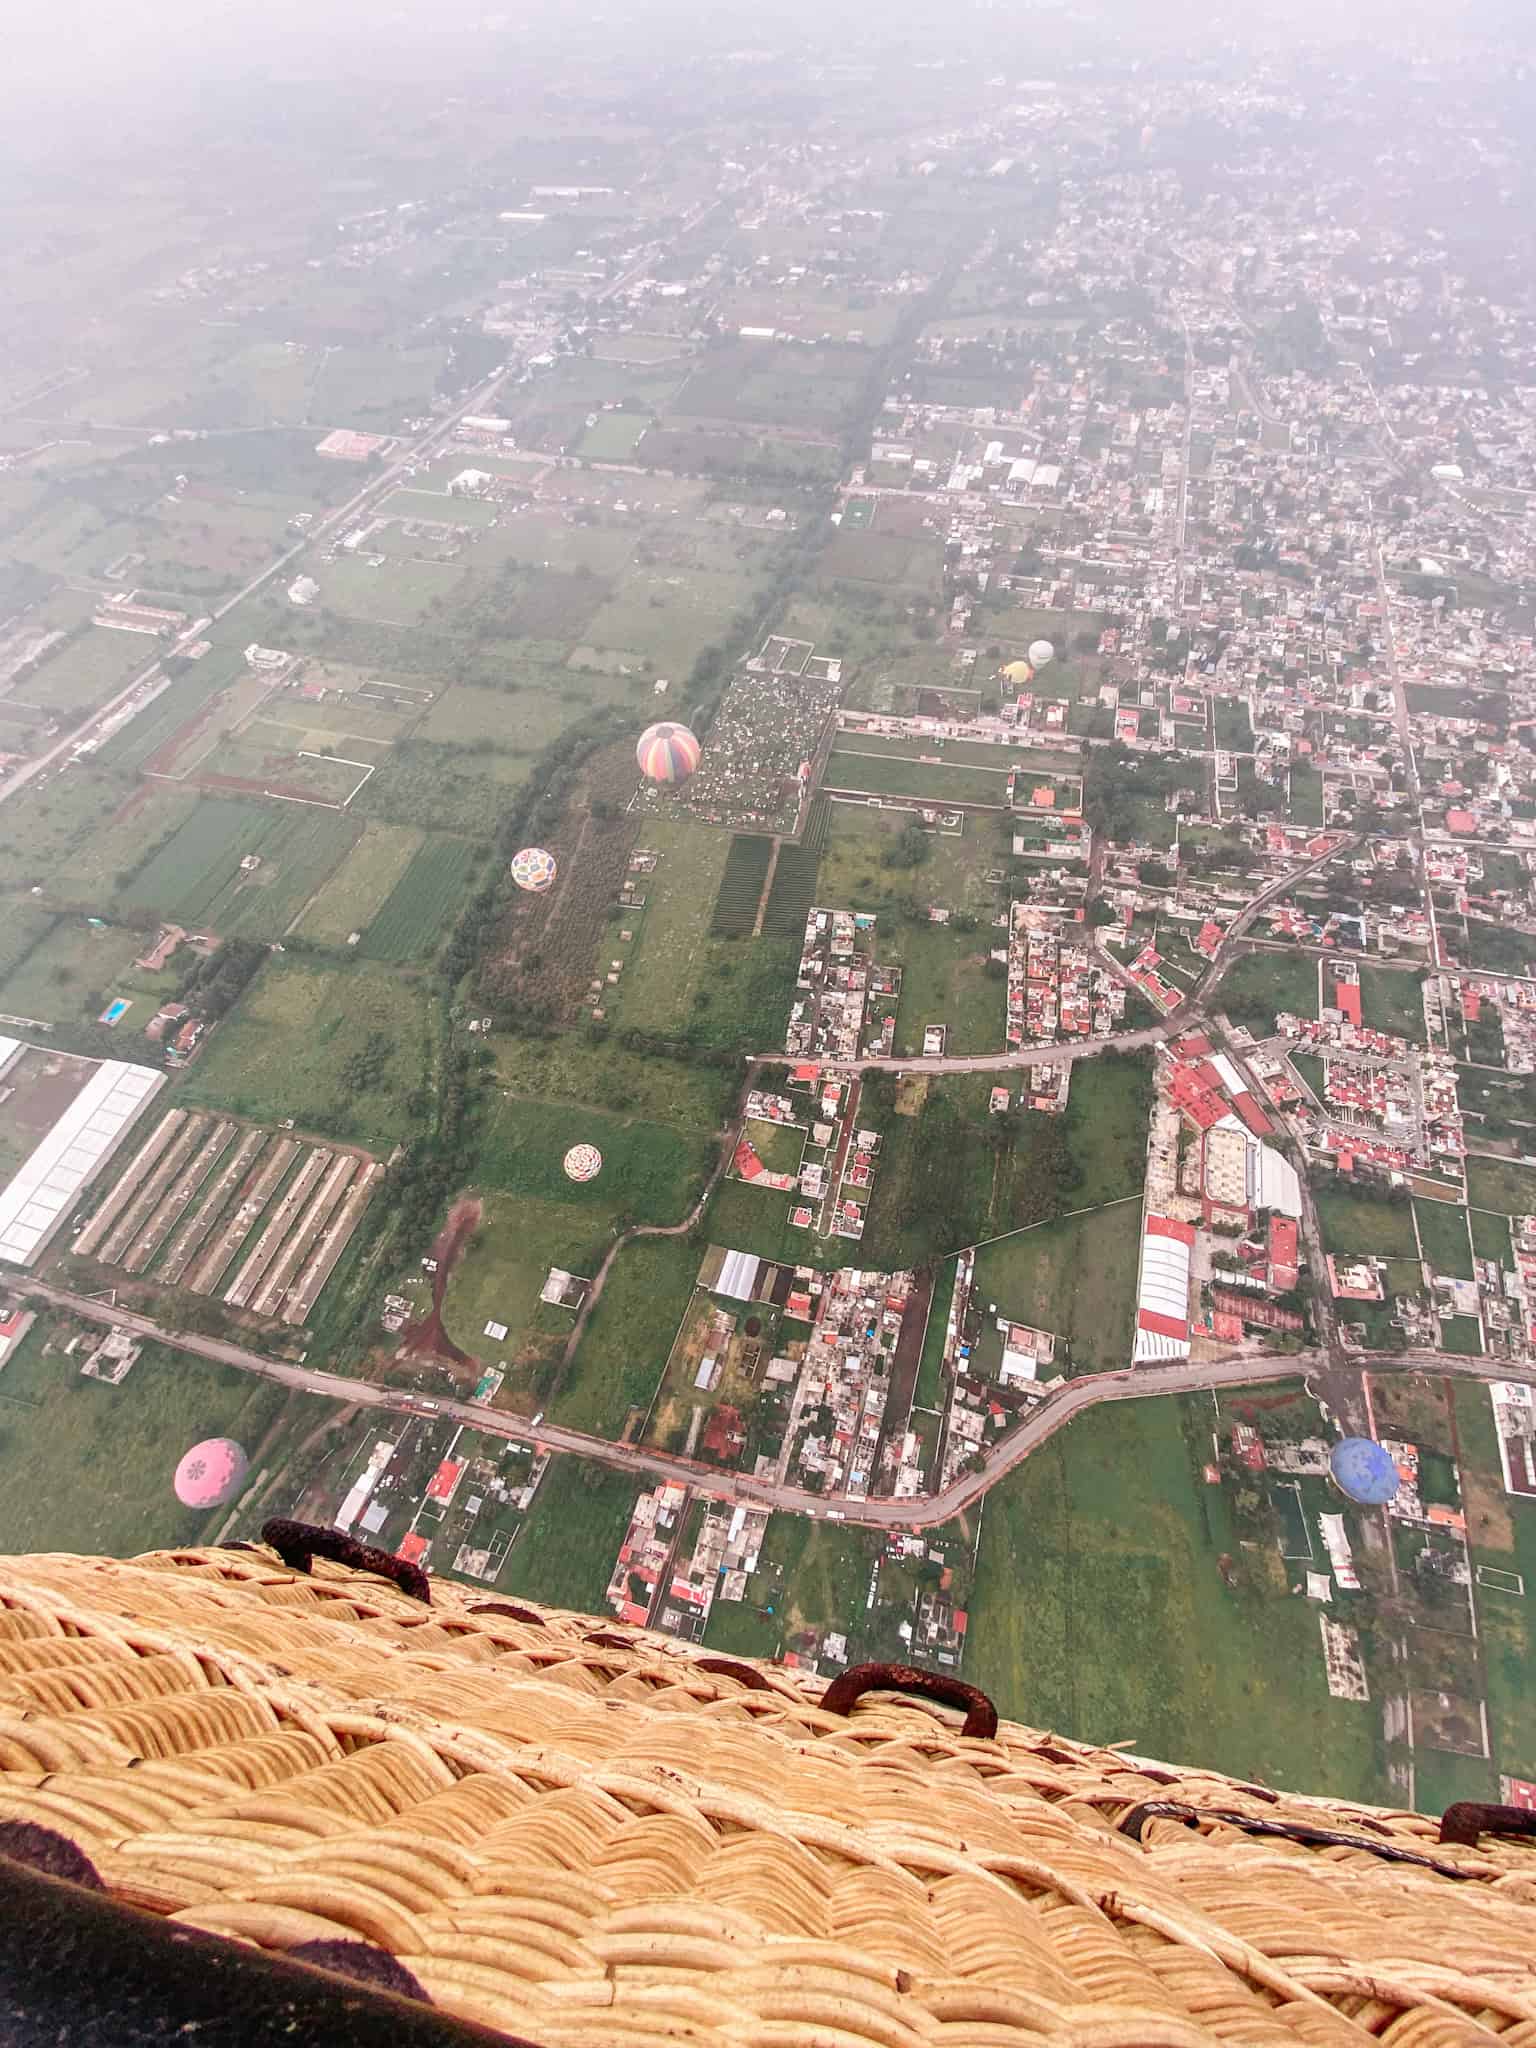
[(533, 869), (667, 752)]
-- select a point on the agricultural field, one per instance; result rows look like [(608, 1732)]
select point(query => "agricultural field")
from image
[(1098, 1610), (341, 1050), (23, 923), (741, 886), (1037, 1276), (946, 979), (1106, 1125), (571, 1537), (88, 1467), (424, 904), (859, 868), (1501, 1531), (196, 876), (44, 823), (84, 674), (650, 1173), (113, 854), (361, 886)]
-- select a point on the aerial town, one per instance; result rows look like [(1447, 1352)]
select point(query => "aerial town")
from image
[(783, 881)]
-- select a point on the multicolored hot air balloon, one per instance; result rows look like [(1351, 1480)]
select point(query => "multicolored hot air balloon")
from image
[(667, 752), (1040, 652), (583, 1162), (533, 869)]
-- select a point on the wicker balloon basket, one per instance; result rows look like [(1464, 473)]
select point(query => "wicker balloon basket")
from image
[(582, 1834)]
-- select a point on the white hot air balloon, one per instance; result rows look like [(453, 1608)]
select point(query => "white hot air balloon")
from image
[(1041, 652)]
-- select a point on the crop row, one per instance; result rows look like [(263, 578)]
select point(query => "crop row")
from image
[(741, 886), (421, 908)]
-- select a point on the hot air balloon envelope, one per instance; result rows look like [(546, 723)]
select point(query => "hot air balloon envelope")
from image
[(1040, 652), (583, 1162), (211, 1473), (1364, 1470), (667, 752), (534, 869)]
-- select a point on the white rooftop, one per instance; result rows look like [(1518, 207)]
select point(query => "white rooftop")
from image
[(45, 1185)]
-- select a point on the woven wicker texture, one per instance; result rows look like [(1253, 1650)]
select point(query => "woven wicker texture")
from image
[(588, 1835)]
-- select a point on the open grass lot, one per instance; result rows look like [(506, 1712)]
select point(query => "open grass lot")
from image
[(774, 385), (650, 1172), (374, 389), (1391, 1001), (498, 1280), (954, 875), (396, 594), (624, 1347), (22, 924), (925, 782), (612, 436), (422, 907), (1503, 1185), (1076, 1277), (1107, 1113), (571, 1536), (945, 981), (1098, 1610), (1259, 986), (338, 1049), (88, 1467), (1501, 1531), (571, 1068), (196, 877), (1354, 1223), (1490, 1236), (752, 1219), (44, 823), (360, 887), (1444, 1239)]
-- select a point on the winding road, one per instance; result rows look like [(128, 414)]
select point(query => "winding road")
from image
[(1060, 1406)]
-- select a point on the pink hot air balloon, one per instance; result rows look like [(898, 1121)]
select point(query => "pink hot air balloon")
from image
[(211, 1473)]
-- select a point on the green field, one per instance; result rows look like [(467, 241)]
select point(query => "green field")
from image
[(1258, 986), (1503, 1185), (944, 981), (1490, 1236), (107, 862), (1107, 1117), (75, 968), (600, 1073), (1443, 1238), (571, 1537), (86, 673), (1391, 1001), (929, 783), (1098, 1611), (624, 1347), (650, 1173), (424, 904), (360, 887), (196, 877), (339, 1049), (1501, 1530), (741, 886), (88, 1467), (22, 924), (1077, 1278), (1354, 1223), (499, 1277)]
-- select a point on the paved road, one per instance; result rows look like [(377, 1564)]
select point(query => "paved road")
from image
[(1060, 1406)]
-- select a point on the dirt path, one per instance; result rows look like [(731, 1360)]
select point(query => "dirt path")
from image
[(762, 901), (426, 1335)]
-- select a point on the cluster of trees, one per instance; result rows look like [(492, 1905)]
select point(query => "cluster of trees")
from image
[(213, 983), (1119, 782)]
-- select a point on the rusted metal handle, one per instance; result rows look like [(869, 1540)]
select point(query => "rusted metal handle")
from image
[(297, 1543), (1469, 1818), (980, 1714), (527, 1614), (727, 1667)]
